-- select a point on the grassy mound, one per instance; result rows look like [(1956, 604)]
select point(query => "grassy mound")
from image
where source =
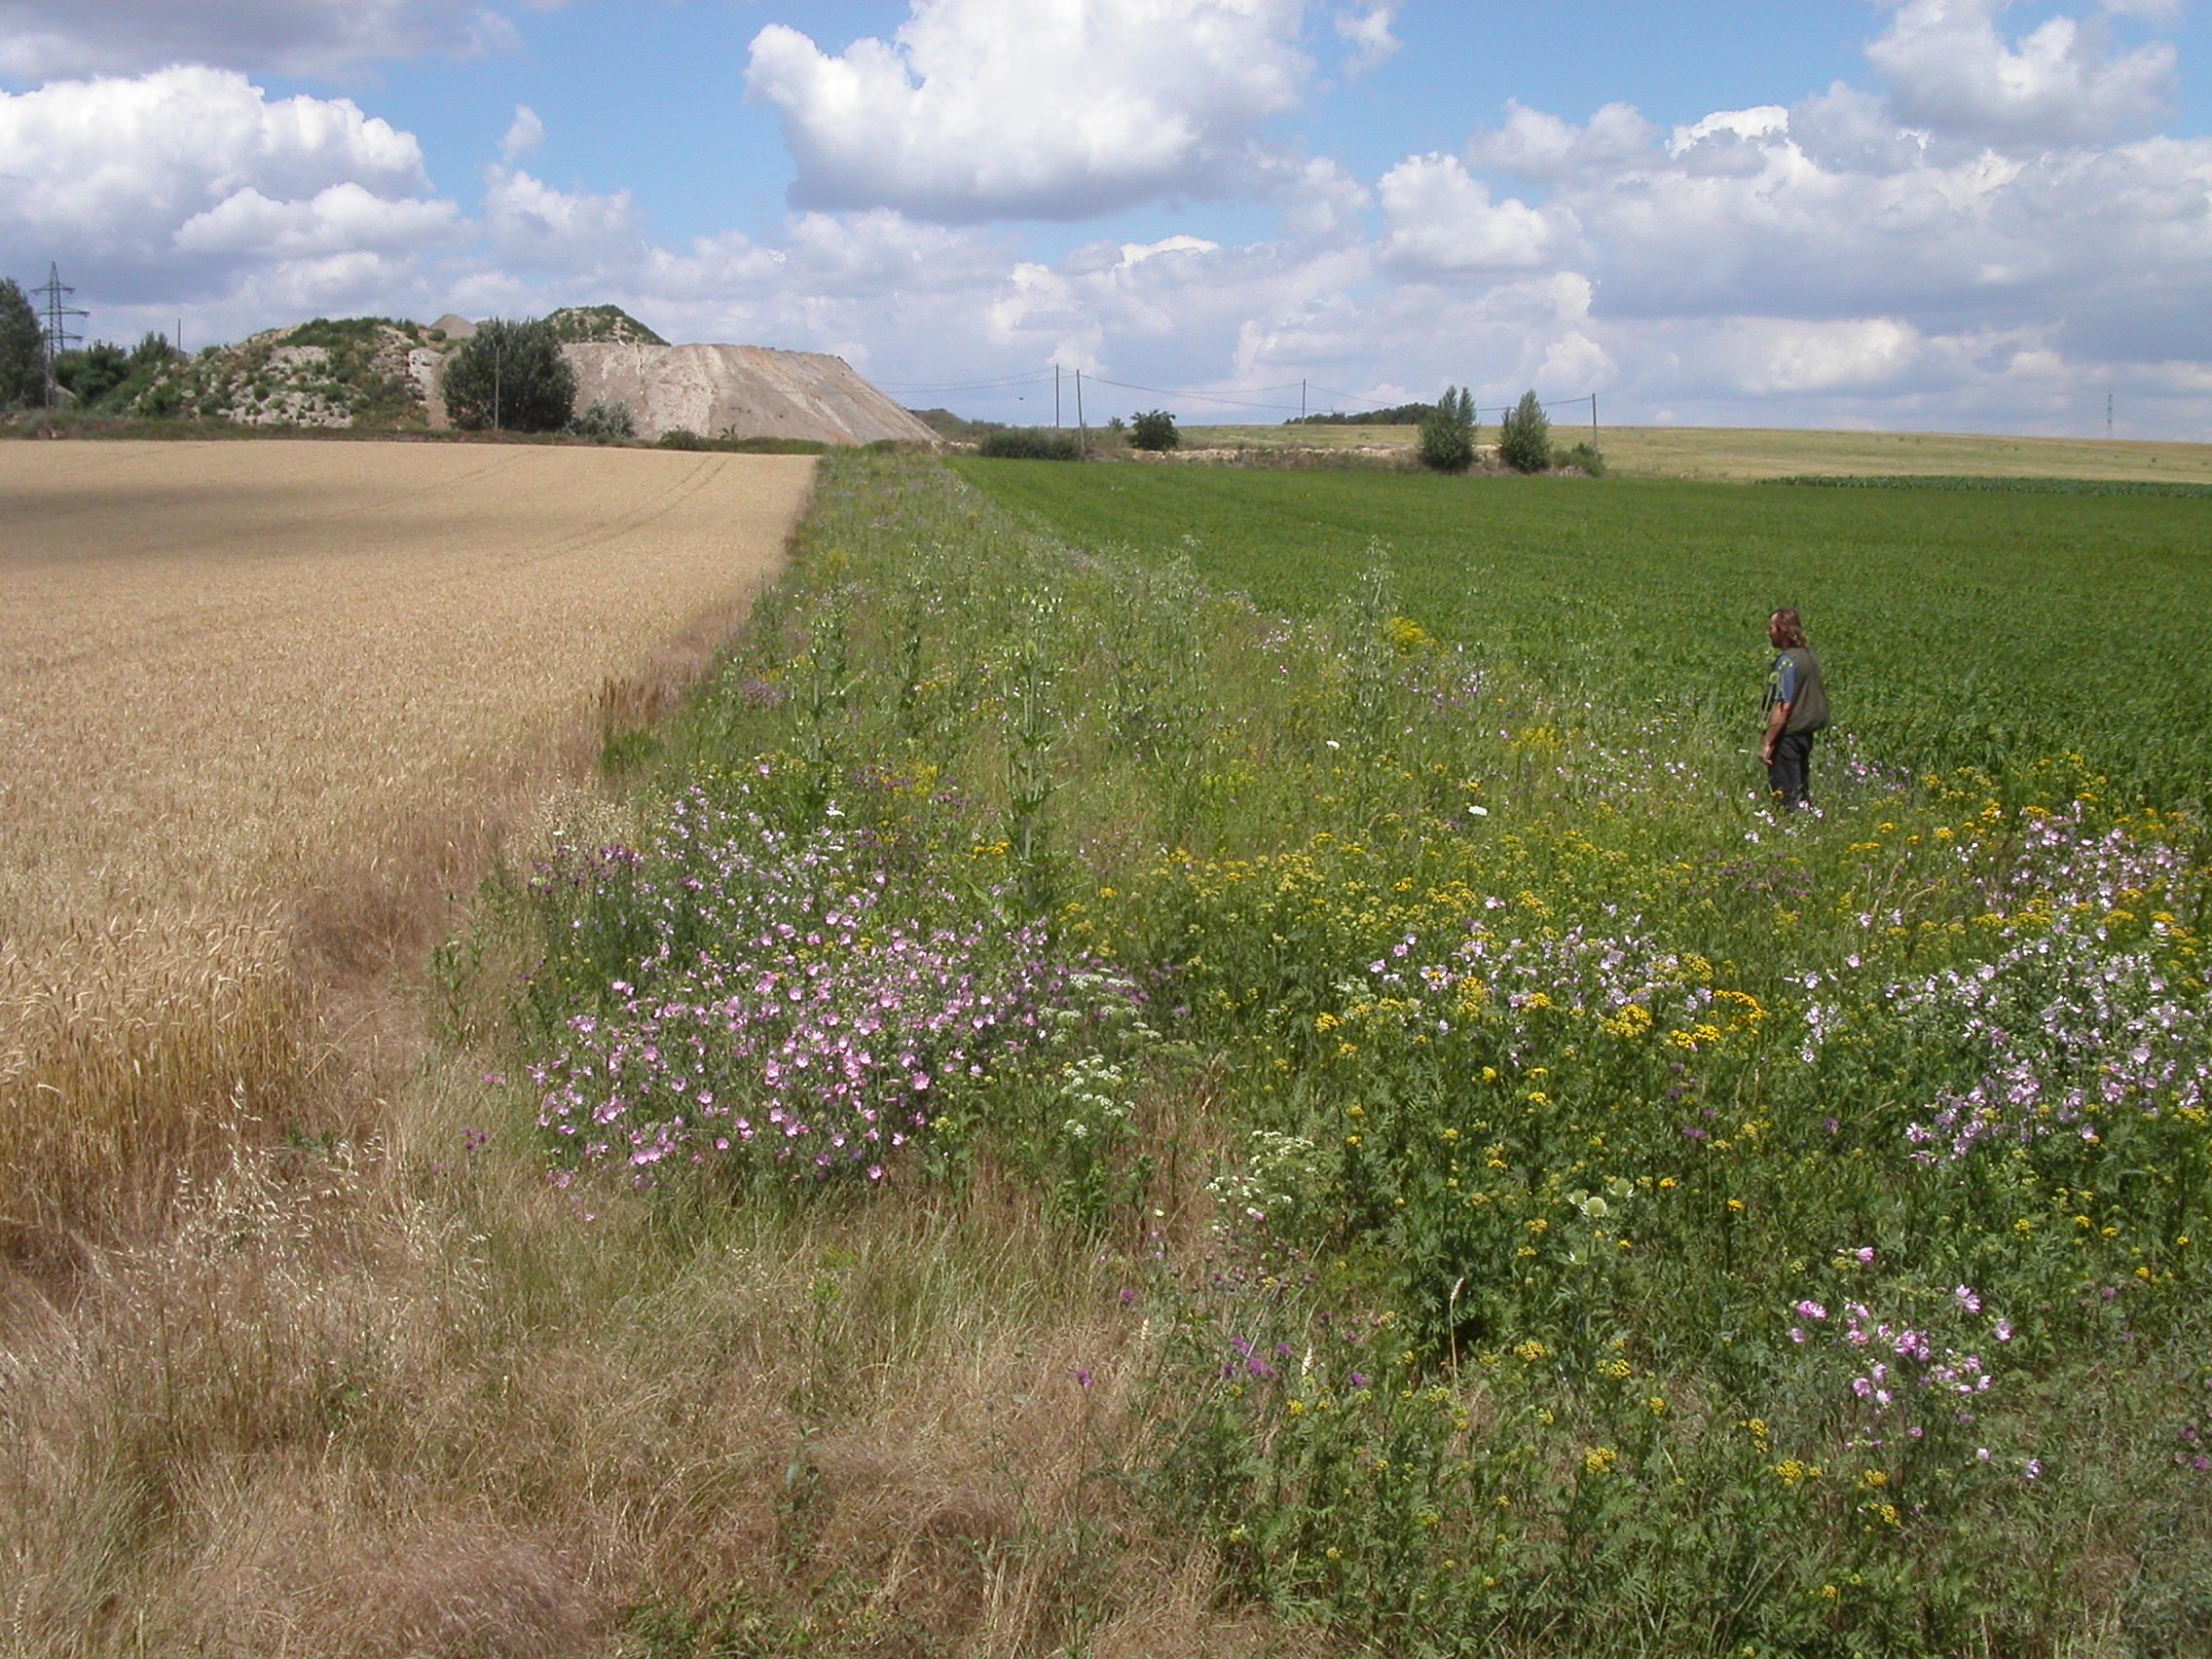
[(601, 325)]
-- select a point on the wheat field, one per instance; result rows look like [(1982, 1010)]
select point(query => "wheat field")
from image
[(264, 706)]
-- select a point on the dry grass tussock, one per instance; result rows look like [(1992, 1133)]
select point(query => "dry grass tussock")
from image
[(265, 706), (403, 1400)]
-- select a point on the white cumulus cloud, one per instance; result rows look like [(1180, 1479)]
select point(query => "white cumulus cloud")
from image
[(1950, 69), (1765, 355), (44, 38), (1057, 109), (165, 179), (1545, 149), (1367, 30), (1442, 223), (524, 134), (535, 227), (342, 219)]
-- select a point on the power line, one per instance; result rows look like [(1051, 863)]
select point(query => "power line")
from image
[(1196, 396), (1355, 397), (59, 337), (1004, 384)]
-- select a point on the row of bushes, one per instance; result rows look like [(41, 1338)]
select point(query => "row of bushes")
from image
[(1448, 434), (1447, 443)]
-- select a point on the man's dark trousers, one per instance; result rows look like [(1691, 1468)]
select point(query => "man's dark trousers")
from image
[(1788, 772)]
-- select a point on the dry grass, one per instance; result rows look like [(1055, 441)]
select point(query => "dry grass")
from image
[(401, 1400), (1735, 455), (265, 706)]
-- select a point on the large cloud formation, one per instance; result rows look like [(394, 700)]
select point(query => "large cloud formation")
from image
[(1949, 70), (981, 109), (44, 38), (173, 184)]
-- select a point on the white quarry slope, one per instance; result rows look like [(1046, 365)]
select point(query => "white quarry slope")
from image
[(752, 391)]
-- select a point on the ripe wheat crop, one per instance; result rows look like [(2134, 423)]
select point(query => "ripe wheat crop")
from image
[(259, 704)]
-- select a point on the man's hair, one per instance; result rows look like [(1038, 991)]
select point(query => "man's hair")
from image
[(1791, 627)]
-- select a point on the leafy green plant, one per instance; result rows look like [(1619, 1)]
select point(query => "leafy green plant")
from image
[(1447, 442), (1155, 429), (1029, 443), (601, 325), (605, 421), (90, 374), (729, 443), (1584, 457), (509, 376), (23, 348), (1524, 437)]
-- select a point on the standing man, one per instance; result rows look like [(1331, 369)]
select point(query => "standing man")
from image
[(1795, 708)]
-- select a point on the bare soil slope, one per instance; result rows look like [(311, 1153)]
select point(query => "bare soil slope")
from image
[(258, 701), (752, 390)]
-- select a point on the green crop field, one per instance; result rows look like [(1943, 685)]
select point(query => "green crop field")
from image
[(1958, 628), (1728, 453)]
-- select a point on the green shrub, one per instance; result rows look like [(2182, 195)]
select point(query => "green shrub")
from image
[(601, 325), (1585, 457), (152, 352), (89, 375), (1447, 432), (510, 376), (605, 421), (1030, 443), (729, 443), (1524, 437), (1399, 415), (766, 445), (1155, 429), (23, 348)]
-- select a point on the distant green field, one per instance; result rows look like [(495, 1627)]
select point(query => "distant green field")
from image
[(1986, 629), (1737, 454)]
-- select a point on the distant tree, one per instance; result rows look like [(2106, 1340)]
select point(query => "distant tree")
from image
[(1400, 414), (23, 348), (151, 353), (511, 376), (1524, 437), (1447, 432), (1155, 429), (89, 375)]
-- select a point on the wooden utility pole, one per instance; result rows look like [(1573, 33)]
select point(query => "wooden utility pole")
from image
[(1082, 433)]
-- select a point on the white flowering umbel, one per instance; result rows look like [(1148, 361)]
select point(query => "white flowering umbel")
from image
[(1094, 1093), (1092, 1127), (1282, 1179)]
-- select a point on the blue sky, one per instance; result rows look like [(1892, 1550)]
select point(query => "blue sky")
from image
[(1907, 213)]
